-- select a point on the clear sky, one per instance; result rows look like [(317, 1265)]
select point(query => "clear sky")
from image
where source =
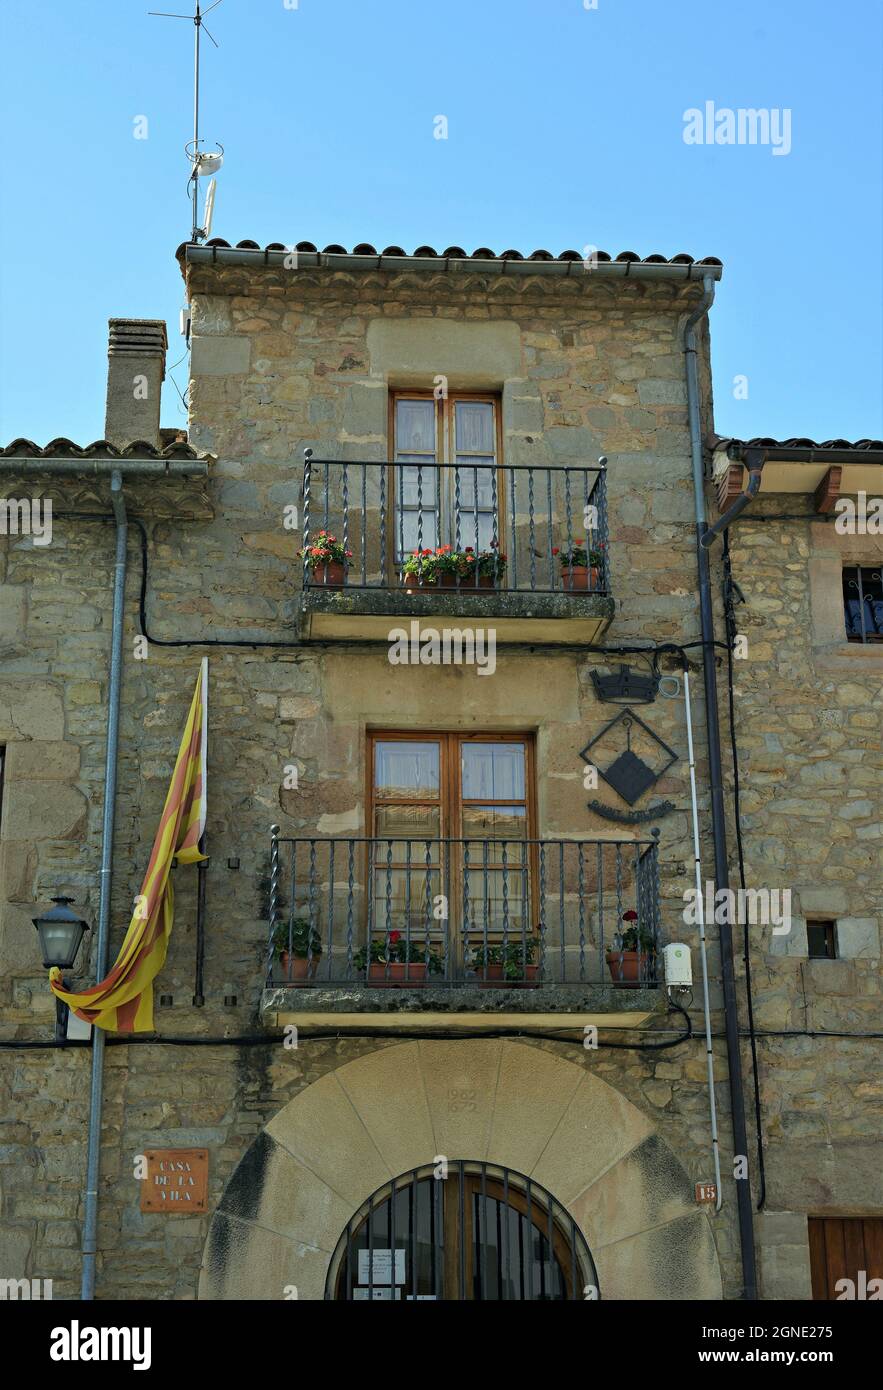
[(565, 129)]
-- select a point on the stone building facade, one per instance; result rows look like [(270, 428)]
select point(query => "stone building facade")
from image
[(308, 352)]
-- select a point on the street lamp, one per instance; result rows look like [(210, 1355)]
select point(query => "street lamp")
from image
[(60, 932)]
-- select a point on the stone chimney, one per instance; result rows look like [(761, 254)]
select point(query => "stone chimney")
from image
[(136, 366)]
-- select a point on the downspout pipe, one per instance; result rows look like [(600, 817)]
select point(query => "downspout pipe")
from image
[(93, 1149), (718, 817), (754, 462)]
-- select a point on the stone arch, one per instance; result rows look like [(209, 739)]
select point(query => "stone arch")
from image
[(508, 1102)]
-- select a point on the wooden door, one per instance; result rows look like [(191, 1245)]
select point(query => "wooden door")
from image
[(847, 1248)]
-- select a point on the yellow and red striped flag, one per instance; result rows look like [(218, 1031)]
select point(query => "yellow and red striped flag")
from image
[(123, 1002)]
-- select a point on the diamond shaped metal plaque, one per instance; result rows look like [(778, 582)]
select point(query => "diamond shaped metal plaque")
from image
[(629, 775)]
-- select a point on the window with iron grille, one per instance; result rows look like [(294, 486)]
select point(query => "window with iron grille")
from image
[(462, 1232), (863, 603)]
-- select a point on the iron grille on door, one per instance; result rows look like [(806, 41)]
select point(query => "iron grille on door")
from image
[(481, 1233)]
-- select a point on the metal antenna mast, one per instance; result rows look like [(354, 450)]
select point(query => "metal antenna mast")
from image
[(205, 163)]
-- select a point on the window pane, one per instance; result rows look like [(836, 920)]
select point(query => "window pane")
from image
[(495, 823), (417, 485), (406, 769), (469, 474), (493, 771), (401, 823), (474, 427), (411, 535), (415, 427)]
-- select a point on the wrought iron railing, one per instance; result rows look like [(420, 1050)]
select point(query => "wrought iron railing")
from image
[(863, 603), (518, 528), (492, 913)]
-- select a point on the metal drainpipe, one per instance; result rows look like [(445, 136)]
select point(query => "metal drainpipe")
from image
[(718, 818), (93, 1150)]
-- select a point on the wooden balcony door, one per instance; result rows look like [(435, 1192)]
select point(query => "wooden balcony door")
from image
[(429, 792), (435, 503)]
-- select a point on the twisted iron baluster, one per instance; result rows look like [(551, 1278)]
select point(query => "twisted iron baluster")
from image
[(346, 523), (542, 910), (428, 904), (495, 535), (581, 890), (532, 532), (569, 528), (389, 908), (382, 526), (308, 469), (349, 908), (619, 905), (420, 519), (465, 902), (274, 894), (512, 582), (561, 867), (603, 534), (550, 531), (330, 906)]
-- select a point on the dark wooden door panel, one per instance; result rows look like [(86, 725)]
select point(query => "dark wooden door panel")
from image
[(849, 1247)]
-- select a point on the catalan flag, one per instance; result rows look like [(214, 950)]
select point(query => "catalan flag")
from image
[(123, 1002)]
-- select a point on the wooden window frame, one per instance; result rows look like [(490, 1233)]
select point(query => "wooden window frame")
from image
[(445, 454), (450, 802)]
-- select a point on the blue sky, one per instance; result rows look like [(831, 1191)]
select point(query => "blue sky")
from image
[(565, 130)]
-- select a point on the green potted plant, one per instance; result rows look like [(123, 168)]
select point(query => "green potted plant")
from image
[(327, 557), (634, 961), (391, 962), (581, 565), (420, 570), (298, 947), (490, 567), (511, 966)]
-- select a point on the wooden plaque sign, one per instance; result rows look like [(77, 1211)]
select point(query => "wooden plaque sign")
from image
[(176, 1181)]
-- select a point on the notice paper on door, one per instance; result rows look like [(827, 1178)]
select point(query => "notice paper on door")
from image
[(375, 1267)]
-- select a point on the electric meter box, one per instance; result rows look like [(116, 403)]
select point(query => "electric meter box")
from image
[(678, 964)]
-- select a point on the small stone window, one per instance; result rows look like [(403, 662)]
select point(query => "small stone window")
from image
[(863, 603), (821, 940)]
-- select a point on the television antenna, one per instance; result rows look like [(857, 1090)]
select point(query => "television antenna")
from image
[(202, 162)]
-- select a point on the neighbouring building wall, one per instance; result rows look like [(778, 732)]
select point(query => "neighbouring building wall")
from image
[(809, 724)]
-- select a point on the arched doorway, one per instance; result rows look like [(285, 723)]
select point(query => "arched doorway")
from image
[(461, 1231)]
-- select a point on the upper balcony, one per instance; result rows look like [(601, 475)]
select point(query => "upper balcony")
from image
[(467, 932), (521, 549)]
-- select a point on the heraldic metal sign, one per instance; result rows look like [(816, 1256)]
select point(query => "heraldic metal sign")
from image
[(629, 773)]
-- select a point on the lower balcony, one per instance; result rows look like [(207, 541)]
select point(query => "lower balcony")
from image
[(462, 933), (520, 549)]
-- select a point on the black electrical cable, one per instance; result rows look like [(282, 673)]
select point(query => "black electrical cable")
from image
[(562, 1034), (649, 649), (730, 618)]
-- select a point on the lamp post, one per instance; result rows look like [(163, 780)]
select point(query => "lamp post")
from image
[(60, 932)]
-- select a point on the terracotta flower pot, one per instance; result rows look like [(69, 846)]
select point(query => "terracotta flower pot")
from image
[(493, 977), (581, 577), (629, 969), (330, 575), (303, 971), (402, 974)]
